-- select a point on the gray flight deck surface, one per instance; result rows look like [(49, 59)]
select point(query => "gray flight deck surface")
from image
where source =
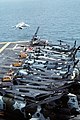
[(9, 53)]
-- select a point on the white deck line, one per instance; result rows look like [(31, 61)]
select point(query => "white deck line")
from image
[(15, 47), (4, 46)]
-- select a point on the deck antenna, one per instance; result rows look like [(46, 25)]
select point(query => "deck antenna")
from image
[(34, 38)]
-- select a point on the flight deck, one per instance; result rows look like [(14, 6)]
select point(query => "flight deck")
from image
[(37, 77)]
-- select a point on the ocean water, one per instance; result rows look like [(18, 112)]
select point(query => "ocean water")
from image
[(58, 19)]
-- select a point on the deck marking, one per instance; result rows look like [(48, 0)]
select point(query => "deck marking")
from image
[(4, 46), (15, 47)]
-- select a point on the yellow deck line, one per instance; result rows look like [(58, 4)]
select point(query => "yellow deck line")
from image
[(4, 46)]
